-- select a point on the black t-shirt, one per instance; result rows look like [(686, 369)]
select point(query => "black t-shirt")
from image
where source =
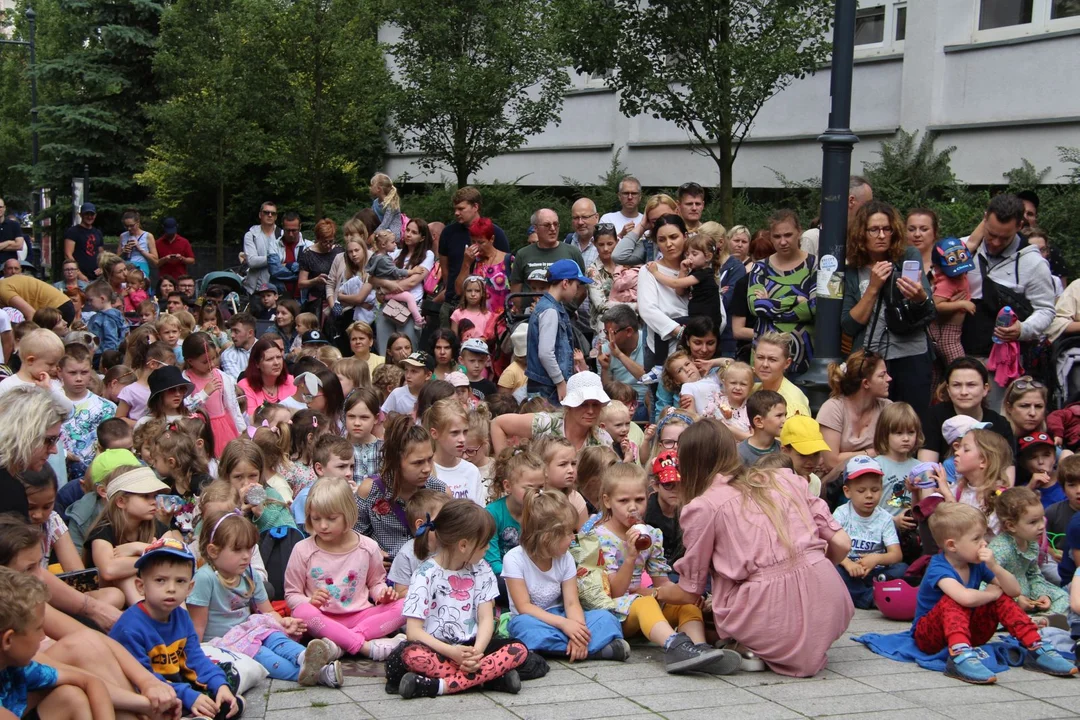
[(669, 526), (13, 495), (9, 230), (452, 243), (740, 307), (484, 387), (88, 241), (105, 532), (317, 264), (705, 296), (941, 412)]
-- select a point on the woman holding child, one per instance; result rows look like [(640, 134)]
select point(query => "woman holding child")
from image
[(769, 549)]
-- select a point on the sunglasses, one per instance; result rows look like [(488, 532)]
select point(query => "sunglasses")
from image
[(51, 440), (1027, 383), (602, 228)]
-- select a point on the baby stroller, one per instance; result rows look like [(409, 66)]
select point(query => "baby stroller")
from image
[(235, 295)]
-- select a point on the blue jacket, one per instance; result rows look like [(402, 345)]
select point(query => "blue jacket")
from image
[(564, 347), (170, 650), (110, 328)]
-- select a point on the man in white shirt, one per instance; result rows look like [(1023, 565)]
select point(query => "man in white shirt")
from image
[(628, 215), (234, 360)]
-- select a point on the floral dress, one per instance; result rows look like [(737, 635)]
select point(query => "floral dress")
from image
[(612, 552), (1025, 566), (599, 292), (298, 475), (497, 278)]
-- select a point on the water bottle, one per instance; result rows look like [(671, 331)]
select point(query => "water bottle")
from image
[(1005, 318)]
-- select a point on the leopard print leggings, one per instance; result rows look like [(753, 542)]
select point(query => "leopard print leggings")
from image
[(502, 656)]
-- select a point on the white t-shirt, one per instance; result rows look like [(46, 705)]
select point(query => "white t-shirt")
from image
[(404, 565), (619, 220), (400, 400), (707, 394), (463, 481), (13, 381), (545, 588), (5, 326), (446, 600)]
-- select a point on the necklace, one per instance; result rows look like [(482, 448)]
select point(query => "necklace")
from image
[(271, 396)]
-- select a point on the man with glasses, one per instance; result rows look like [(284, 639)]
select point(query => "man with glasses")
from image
[(584, 218), (691, 197), (12, 240), (1005, 265), (259, 242), (622, 356), (544, 252), (84, 243), (627, 217)]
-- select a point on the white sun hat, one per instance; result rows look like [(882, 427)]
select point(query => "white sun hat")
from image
[(584, 386)]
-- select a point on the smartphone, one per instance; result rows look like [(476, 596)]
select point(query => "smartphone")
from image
[(81, 580), (912, 270)]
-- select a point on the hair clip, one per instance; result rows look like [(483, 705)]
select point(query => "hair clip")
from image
[(315, 422), (213, 531), (843, 368), (428, 524), (194, 416)]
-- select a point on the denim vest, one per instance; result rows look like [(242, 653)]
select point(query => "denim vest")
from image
[(564, 348)]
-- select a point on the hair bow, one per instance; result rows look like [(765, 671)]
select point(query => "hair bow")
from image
[(843, 368), (428, 524), (251, 429), (315, 422)]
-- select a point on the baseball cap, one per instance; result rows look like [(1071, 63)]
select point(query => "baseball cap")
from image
[(169, 225), (584, 386), (861, 465), (88, 208), (566, 270), (313, 337), (666, 467), (538, 275), (1034, 440), (804, 434), (420, 359), (141, 481), (165, 546), (476, 345), (457, 379), (520, 339), (958, 426), (108, 460), (265, 287)]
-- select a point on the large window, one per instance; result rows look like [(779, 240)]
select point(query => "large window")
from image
[(1023, 17), (881, 25), (870, 25), (1003, 13)]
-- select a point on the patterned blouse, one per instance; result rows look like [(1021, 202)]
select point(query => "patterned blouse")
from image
[(379, 520), (788, 306), (555, 424), (1025, 566), (612, 549), (298, 475), (367, 459)]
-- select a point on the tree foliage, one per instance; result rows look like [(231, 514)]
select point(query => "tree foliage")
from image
[(475, 79), (707, 66), (912, 172)]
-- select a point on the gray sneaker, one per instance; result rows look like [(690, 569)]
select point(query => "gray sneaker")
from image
[(684, 656)]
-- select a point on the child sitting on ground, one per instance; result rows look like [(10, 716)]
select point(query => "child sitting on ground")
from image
[(953, 613), (767, 411), (77, 434), (1038, 455), (802, 441), (662, 510), (875, 546), (517, 473), (1016, 548), (422, 507), (159, 632), (1059, 514)]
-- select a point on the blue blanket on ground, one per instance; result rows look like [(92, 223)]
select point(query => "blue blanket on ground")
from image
[(1002, 655)]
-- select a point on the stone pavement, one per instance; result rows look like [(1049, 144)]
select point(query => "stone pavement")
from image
[(856, 684)]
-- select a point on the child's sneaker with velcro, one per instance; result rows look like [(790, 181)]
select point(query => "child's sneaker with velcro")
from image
[(1045, 659), (964, 664)]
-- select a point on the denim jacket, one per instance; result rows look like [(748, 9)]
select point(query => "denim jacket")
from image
[(564, 348), (110, 328)]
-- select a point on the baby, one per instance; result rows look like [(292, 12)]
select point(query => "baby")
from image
[(382, 266), (953, 262)]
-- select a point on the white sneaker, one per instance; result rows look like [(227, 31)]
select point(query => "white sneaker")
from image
[(316, 656), (335, 650), (382, 647), (653, 376), (330, 675)]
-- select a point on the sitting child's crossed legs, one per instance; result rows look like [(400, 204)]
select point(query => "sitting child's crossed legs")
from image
[(949, 624), (351, 632), (647, 617), (502, 657)]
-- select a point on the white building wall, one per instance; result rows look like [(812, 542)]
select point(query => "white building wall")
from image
[(997, 95)]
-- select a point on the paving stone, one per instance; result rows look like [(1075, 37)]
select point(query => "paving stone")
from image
[(470, 704), (922, 680), (1067, 703), (672, 684), (1023, 710), (961, 695), (613, 672), (908, 714), (757, 711), (711, 698), (536, 694), (873, 666), (846, 704), (315, 713), (609, 708), (809, 690), (305, 698), (770, 678), (1048, 687)]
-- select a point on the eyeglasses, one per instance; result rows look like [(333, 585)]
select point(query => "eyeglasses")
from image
[(583, 218), (669, 444), (51, 440), (271, 213), (549, 225), (1027, 383), (470, 451), (630, 194), (883, 231)]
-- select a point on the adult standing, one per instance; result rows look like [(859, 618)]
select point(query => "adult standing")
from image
[(578, 421), (415, 252), (544, 252), (782, 289), (848, 419), (386, 203), (876, 247), (738, 239), (583, 218), (963, 392), (658, 304), (259, 242), (691, 198), (859, 193), (731, 271), (137, 245), (485, 260), (266, 378), (769, 550), (627, 216), (549, 355), (315, 262), (921, 232), (637, 246), (455, 238), (13, 243), (84, 242), (1008, 271), (174, 251)]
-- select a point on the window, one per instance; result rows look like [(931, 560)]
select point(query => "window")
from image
[(1003, 13), (1064, 9), (901, 23), (870, 26)]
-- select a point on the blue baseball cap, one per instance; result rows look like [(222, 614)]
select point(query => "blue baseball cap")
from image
[(88, 208), (165, 546), (566, 270)]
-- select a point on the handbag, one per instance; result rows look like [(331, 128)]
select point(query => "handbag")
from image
[(396, 311), (902, 316)]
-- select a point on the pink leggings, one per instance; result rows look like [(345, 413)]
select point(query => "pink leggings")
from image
[(352, 630)]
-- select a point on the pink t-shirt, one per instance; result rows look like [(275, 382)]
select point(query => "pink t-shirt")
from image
[(946, 287), (484, 323), (255, 398), (351, 578)]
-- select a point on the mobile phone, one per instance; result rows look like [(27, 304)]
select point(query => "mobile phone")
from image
[(912, 270)]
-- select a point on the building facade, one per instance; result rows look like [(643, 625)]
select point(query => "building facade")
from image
[(999, 79)]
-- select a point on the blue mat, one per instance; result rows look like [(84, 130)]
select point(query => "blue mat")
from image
[(1005, 653)]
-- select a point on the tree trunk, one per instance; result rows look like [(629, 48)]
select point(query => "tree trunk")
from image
[(462, 178), (219, 254), (727, 182)]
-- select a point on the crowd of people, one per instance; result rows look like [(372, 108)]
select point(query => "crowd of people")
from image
[(418, 446)]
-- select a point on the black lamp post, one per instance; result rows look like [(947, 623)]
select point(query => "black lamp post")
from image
[(31, 19), (836, 143)]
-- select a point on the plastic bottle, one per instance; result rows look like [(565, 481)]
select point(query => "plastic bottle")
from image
[(1005, 318)]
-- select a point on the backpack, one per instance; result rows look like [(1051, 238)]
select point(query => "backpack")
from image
[(275, 547)]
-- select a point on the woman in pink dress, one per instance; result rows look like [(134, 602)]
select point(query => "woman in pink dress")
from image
[(770, 551)]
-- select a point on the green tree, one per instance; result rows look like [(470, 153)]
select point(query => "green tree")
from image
[(475, 79), (911, 172), (707, 66), (15, 118)]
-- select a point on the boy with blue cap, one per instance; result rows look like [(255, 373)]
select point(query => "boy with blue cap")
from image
[(549, 360)]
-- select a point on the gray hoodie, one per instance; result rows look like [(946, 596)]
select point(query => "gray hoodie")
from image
[(1030, 277)]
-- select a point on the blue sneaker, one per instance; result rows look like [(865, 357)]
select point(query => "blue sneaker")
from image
[(1045, 659), (965, 665)]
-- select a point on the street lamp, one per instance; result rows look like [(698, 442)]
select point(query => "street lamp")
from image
[(31, 19), (836, 143)]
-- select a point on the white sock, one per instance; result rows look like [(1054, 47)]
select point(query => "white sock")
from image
[(442, 687), (300, 659)]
